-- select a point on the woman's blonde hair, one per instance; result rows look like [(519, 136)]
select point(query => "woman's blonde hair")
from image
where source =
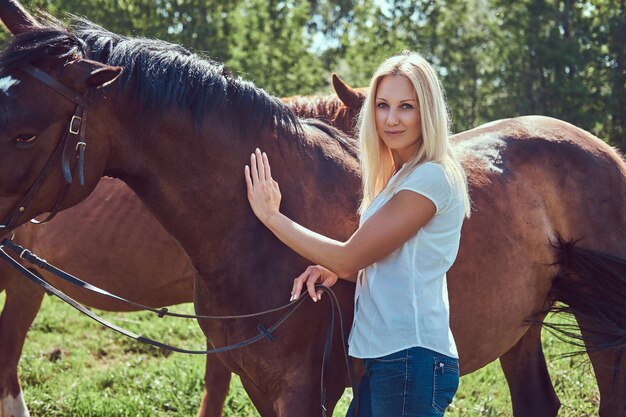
[(377, 165)]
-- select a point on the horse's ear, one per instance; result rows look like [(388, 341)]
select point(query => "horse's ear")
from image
[(15, 17), (94, 74), (348, 95), (103, 77)]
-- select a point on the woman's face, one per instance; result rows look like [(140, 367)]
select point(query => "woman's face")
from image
[(398, 120)]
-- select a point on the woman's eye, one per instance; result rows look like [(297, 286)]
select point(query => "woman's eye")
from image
[(407, 106), (382, 105)]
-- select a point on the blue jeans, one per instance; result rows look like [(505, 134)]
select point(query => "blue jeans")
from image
[(415, 382)]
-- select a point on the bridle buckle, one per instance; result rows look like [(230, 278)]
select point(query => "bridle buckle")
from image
[(75, 131)]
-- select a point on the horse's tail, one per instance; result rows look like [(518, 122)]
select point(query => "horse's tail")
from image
[(591, 286)]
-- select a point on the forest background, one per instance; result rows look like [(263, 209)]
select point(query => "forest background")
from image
[(497, 58)]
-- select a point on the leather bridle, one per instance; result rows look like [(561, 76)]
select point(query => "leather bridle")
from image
[(71, 147)]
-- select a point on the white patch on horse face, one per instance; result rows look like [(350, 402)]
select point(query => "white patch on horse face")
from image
[(6, 83), (13, 406)]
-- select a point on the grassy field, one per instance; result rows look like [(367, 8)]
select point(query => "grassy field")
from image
[(71, 366)]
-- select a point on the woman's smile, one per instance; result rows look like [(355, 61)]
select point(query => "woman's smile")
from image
[(394, 132)]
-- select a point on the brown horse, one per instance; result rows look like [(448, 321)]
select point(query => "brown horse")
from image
[(256, 101), (522, 200), (78, 233), (524, 365)]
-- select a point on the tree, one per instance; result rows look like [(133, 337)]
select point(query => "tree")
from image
[(271, 47), (496, 58)]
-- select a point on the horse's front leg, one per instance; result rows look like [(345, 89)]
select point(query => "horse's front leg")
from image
[(524, 366), (297, 393), (216, 384), (23, 300), (300, 393)]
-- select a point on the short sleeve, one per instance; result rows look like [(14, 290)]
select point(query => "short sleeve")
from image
[(429, 180)]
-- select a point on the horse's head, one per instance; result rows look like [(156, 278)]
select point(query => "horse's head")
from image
[(47, 88)]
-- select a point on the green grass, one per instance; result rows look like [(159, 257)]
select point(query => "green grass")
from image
[(71, 366)]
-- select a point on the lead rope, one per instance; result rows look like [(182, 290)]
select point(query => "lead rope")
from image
[(334, 304), (263, 332), (32, 258)]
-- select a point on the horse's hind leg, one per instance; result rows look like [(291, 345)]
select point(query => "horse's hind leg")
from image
[(216, 383), (592, 286), (23, 300), (610, 369), (524, 366)]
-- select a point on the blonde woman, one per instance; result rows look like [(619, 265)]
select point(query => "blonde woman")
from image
[(414, 202)]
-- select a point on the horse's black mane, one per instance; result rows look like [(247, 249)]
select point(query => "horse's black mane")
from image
[(52, 40), (162, 76)]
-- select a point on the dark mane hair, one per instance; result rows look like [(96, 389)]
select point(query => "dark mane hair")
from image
[(162, 76), (52, 40)]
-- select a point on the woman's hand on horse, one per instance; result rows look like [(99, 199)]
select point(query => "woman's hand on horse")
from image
[(263, 192), (314, 274)]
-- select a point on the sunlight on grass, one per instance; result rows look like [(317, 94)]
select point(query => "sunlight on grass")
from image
[(73, 366)]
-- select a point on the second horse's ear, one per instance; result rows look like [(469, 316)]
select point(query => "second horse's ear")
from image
[(15, 17), (348, 95)]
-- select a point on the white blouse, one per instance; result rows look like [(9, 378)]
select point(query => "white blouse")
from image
[(402, 300)]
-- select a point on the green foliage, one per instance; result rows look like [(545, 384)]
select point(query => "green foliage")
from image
[(505, 58), (550, 56), (497, 58), (271, 49)]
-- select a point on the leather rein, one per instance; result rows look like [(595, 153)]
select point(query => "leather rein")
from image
[(335, 311), (74, 143)]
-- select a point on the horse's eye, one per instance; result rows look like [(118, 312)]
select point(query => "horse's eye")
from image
[(25, 140)]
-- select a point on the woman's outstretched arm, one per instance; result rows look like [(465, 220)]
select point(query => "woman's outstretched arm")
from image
[(399, 219)]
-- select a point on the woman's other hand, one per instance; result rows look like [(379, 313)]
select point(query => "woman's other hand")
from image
[(314, 274), (263, 192)]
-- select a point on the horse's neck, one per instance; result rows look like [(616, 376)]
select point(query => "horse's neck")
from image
[(195, 187), (166, 170)]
